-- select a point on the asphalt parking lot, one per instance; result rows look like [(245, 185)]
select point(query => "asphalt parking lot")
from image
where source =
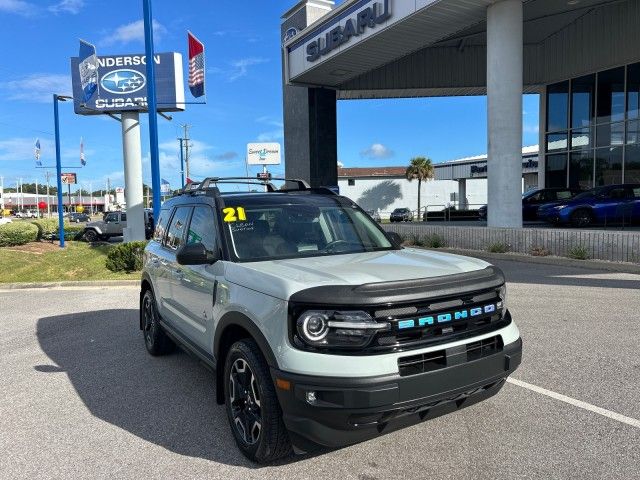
[(80, 398)]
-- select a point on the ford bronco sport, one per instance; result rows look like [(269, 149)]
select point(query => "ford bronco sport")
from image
[(320, 327)]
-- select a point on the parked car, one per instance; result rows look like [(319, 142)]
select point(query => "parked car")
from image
[(609, 204), (534, 199), (26, 214), (113, 225), (401, 215), (79, 217), (322, 329), (375, 215)]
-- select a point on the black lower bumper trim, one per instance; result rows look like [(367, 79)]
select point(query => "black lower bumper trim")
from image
[(351, 410)]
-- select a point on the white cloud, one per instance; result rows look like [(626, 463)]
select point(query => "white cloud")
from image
[(531, 128), (37, 87), (377, 151), (21, 150), (19, 7), (132, 32), (269, 120), (271, 135), (66, 6), (238, 68)]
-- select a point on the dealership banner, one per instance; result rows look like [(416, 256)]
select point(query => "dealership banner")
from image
[(69, 178), (122, 84)]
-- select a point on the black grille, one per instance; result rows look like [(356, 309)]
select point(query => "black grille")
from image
[(428, 362)]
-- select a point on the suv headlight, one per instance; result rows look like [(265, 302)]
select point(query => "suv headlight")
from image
[(333, 328), (502, 293)]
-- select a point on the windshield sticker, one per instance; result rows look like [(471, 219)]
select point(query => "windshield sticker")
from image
[(242, 227), (234, 214)]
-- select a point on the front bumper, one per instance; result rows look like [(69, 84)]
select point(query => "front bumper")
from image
[(351, 410)]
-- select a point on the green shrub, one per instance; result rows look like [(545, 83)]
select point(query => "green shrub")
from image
[(47, 227), (498, 247), (17, 233), (126, 257), (435, 241), (578, 252), (416, 241)]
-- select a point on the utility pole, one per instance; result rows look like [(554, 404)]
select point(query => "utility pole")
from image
[(91, 197), (37, 199), (185, 139), (2, 195)]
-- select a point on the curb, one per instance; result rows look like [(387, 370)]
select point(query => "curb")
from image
[(85, 283), (547, 260)]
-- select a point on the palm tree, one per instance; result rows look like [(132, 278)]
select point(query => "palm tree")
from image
[(420, 169)]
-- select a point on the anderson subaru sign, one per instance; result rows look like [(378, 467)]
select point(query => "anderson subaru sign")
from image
[(122, 84)]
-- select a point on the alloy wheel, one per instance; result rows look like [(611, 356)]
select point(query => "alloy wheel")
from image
[(244, 395)]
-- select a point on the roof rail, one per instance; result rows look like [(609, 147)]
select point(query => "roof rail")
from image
[(210, 184)]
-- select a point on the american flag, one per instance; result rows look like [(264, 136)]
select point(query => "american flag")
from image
[(196, 66), (82, 160)]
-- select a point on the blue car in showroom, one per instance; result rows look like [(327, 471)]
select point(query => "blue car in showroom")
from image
[(602, 205), (534, 199)]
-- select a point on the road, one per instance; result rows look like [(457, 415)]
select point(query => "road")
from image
[(80, 398)]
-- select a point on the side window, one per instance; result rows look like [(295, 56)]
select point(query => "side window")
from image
[(175, 235), (636, 192), (202, 228), (564, 194), (536, 197), (111, 217), (617, 193), (123, 217), (158, 233)]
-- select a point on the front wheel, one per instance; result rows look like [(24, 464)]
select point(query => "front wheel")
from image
[(581, 218), (252, 406), (91, 236)]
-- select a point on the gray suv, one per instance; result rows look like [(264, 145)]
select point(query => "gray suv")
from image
[(321, 328), (113, 225)]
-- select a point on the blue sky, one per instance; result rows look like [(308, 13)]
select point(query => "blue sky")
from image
[(242, 40)]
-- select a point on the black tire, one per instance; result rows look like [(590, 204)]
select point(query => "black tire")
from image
[(252, 405), (156, 341), (581, 218), (91, 235)]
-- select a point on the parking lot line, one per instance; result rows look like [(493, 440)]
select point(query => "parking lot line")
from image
[(577, 403)]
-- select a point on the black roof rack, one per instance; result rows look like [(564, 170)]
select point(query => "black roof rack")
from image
[(210, 184)]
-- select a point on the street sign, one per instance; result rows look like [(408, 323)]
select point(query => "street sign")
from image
[(122, 84), (69, 178), (263, 154)]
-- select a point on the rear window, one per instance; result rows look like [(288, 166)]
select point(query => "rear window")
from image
[(564, 194)]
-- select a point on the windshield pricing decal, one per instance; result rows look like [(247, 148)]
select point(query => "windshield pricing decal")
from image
[(234, 214)]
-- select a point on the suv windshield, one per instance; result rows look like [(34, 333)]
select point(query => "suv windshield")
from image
[(299, 227)]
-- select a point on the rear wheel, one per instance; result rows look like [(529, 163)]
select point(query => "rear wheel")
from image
[(252, 406), (91, 236), (156, 341), (581, 218)]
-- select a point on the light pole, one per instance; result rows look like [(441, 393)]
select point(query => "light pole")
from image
[(61, 98)]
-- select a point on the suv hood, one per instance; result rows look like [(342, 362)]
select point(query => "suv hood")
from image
[(283, 278)]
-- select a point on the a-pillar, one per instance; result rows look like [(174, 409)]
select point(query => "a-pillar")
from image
[(504, 105), (133, 193)]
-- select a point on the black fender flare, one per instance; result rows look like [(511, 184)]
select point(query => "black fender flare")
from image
[(144, 279), (236, 319), (241, 320)]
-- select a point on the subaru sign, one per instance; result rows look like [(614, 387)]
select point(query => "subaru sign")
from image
[(122, 84)]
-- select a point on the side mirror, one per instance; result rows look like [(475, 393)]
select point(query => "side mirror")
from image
[(194, 254), (395, 238)]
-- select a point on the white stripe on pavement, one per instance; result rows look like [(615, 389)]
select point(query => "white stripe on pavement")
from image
[(577, 403)]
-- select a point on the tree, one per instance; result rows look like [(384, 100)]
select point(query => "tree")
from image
[(420, 169)]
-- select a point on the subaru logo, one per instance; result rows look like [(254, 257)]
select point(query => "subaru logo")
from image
[(123, 81), (290, 33)]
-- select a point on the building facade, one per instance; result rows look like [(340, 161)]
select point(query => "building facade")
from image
[(580, 56)]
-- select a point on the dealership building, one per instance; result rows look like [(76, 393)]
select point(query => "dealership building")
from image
[(460, 183), (580, 56)]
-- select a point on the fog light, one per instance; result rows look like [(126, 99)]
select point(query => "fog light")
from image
[(311, 397)]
